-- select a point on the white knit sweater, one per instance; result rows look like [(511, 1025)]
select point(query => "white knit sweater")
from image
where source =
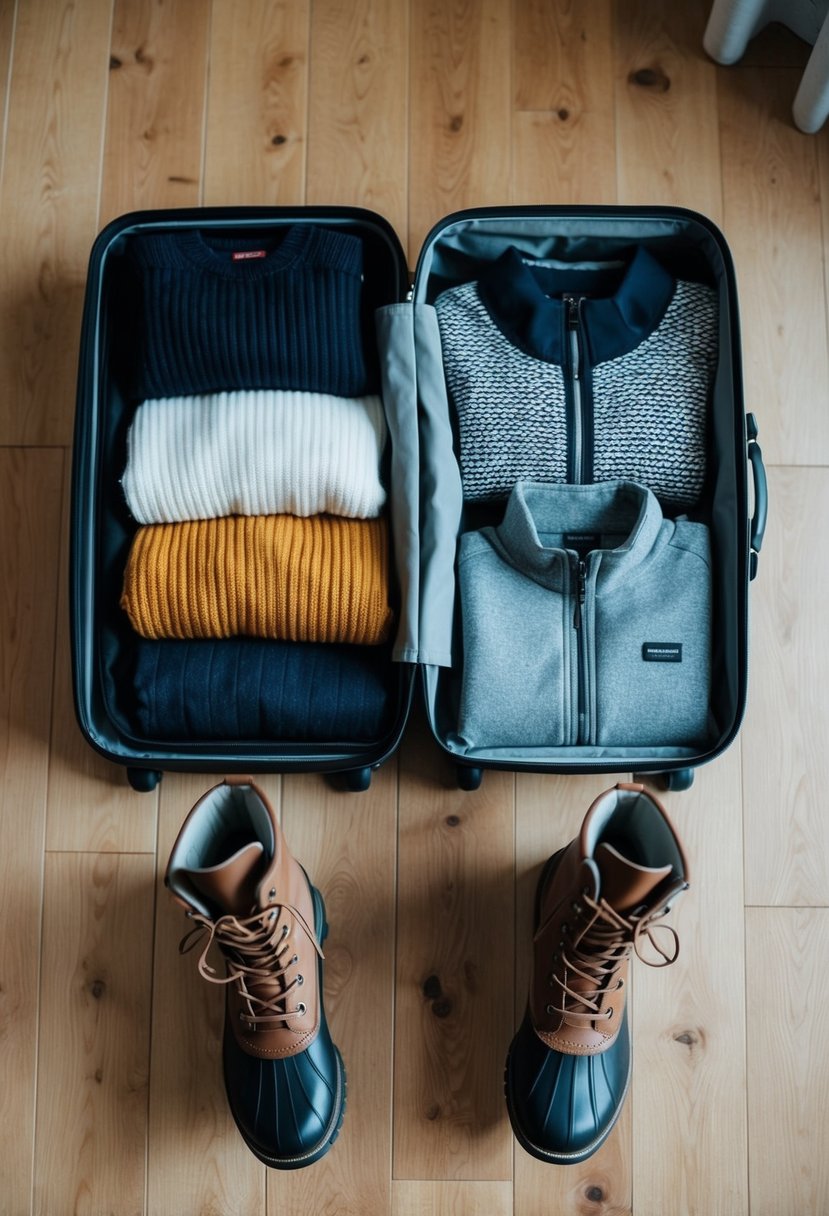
[(268, 452)]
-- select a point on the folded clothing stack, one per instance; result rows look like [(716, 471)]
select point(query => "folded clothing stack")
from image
[(248, 689), (586, 621), (580, 372), (255, 470), (321, 579)]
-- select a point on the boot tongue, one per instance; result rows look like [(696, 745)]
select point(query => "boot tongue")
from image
[(231, 886), (624, 884)]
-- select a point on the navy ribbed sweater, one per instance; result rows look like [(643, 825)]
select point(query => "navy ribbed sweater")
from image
[(241, 688), (288, 320)]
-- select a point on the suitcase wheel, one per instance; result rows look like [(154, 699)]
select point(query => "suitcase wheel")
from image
[(469, 778), (677, 780), (357, 779), (144, 780)]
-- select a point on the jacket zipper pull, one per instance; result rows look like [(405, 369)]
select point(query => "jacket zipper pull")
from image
[(572, 312), (580, 578)]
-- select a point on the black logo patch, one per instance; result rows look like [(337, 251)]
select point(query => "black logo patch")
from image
[(662, 652), (582, 542)]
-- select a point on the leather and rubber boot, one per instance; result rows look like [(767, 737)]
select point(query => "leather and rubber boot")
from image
[(231, 870), (568, 1067)]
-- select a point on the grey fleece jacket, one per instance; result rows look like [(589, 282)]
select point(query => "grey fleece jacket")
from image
[(586, 620)]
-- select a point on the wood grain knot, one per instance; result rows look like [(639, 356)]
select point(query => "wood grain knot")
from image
[(432, 988), (563, 114), (442, 1008), (690, 1038), (99, 1075), (278, 140), (650, 78), (144, 59), (184, 181), (97, 988), (114, 63), (364, 58), (456, 122), (433, 1112), (594, 1194), (286, 61), (452, 821)]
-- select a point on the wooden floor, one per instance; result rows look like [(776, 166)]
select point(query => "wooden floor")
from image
[(111, 1098)]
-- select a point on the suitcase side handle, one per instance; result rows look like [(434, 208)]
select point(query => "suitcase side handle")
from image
[(761, 495)]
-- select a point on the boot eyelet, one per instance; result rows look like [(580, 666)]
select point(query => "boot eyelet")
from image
[(295, 959), (301, 1007), (272, 893), (272, 915), (300, 979), (609, 1013), (551, 1009), (284, 930), (565, 927)]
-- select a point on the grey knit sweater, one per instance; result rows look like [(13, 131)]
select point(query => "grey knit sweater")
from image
[(586, 620), (553, 381)]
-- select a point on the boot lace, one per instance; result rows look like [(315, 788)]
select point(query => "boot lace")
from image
[(258, 955), (595, 952)]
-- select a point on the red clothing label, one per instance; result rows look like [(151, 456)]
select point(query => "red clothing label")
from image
[(244, 255)]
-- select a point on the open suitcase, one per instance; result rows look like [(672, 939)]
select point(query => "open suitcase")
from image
[(427, 508)]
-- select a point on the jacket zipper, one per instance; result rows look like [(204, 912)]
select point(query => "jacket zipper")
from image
[(581, 663), (574, 351)]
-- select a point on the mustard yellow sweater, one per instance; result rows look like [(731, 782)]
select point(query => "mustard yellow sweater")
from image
[(320, 579)]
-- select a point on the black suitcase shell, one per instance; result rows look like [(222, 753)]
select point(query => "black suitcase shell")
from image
[(692, 247), (101, 527), (426, 508)]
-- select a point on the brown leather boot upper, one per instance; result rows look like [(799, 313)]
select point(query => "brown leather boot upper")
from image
[(232, 872), (602, 897)]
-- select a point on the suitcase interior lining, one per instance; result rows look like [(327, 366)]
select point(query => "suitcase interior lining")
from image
[(690, 250), (108, 412)]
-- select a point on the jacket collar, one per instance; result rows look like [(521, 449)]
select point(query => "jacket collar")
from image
[(523, 297), (531, 533)]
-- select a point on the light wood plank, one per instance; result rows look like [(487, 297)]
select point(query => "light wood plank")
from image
[(563, 55), (822, 140), (197, 1161), (359, 106), (549, 813), (347, 844), (689, 1109), (569, 159), (460, 110), (564, 133), (257, 102), (788, 1065), (666, 105), (772, 221), (8, 13), (30, 495), (153, 146), (452, 1199), (90, 1145), (785, 767), (453, 1011), (90, 806), (48, 205)]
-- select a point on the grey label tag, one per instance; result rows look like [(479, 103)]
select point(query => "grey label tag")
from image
[(662, 652)]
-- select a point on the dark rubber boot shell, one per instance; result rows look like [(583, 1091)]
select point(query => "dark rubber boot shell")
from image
[(563, 1107), (288, 1111)]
